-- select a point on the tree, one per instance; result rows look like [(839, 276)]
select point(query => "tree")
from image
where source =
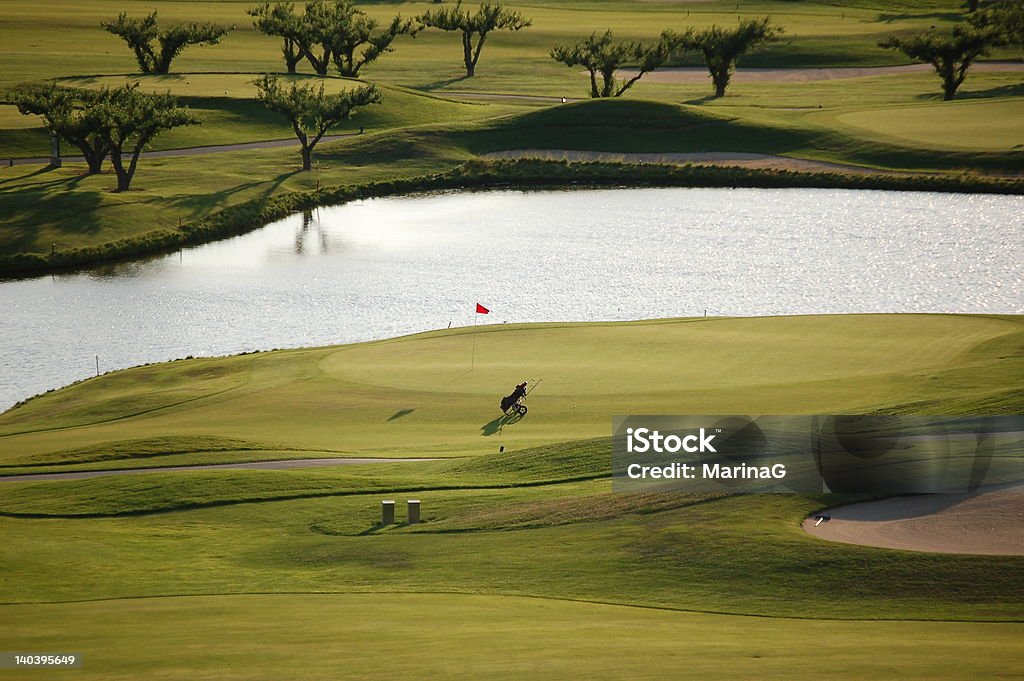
[(130, 119), (1005, 18), (950, 53), (360, 30), (722, 47), (140, 33), (311, 112), (67, 113), (601, 55), (474, 27), (281, 20), (317, 35)]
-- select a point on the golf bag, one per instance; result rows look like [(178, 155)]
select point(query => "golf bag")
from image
[(512, 402)]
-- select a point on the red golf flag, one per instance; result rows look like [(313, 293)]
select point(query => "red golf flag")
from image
[(480, 309)]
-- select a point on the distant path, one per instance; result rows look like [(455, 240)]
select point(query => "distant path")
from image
[(279, 465), (553, 99), (718, 158), (988, 522), (745, 75), (188, 151)]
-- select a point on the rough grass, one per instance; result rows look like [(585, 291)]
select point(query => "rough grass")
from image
[(570, 540), (743, 554)]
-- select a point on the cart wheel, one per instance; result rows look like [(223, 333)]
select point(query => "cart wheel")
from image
[(522, 410)]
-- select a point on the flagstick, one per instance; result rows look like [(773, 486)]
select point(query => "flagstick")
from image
[(472, 362)]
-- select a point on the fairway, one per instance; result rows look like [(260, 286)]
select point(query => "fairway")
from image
[(435, 636), (954, 126)]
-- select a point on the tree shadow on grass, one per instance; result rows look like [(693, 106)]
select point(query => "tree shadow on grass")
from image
[(701, 100), (54, 200), (889, 18), (42, 170), (204, 204), (1012, 90), (438, 84)]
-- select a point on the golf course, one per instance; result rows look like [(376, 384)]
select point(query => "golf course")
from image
[(525, 558), (219, 516)]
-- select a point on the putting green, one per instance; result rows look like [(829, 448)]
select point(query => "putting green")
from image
[(424, 393), (450, 636)]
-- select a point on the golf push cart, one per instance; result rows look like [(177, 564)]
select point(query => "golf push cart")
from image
[(513, 403)]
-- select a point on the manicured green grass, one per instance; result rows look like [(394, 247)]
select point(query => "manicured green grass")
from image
[(955, 126), (538, 522), (777, 119), (342, 398), (417, 636), (539, 519)]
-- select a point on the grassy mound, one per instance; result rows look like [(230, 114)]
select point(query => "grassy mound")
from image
[(621, 125)]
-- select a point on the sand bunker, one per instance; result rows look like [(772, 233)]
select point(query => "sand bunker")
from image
[(989, 522)]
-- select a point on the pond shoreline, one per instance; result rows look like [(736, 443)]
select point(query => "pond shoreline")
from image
[(487, 174)]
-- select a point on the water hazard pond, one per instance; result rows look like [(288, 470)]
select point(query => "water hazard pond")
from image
[(384, 267)]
